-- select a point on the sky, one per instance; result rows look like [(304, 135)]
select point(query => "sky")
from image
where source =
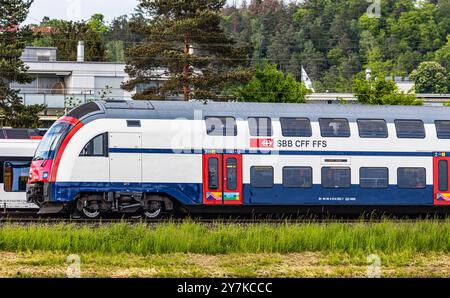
[(77, 10)]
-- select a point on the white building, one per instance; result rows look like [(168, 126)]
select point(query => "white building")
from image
[(62, 84)]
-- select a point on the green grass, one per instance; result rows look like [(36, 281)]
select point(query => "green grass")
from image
[(386, 237)]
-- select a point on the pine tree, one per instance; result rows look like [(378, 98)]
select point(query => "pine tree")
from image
[(184, 37), (12, 69)]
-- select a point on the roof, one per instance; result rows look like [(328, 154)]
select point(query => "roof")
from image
[(198, 110)]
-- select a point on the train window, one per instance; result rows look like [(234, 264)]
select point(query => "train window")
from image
[(98, 146), (296, 127), (334, 128), (410, 129), (261, 176), (19, 134), (443, 175), (297, 177), (411, 177), (15, 175), (231, 173), (336, 177), (260, 126), (133, 123), (372, 128), (374, 177), (221, 126), (2, 134), (443, 129), (213, 173)]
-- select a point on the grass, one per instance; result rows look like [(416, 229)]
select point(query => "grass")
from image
[(406, 249), (354, 239), (53, 264)]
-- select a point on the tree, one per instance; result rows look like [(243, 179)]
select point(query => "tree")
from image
[(431, 77), (185, 39), (12, 69), (442, 56), (270, 85), (381, 92), (66, 34)]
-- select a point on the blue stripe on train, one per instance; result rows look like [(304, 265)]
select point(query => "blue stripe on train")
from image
[(191, 193), (267, 152)]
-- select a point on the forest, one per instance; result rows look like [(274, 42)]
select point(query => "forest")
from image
[(335, 41)]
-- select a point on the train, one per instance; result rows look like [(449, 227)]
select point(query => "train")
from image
[(150, 158), (17, 148)]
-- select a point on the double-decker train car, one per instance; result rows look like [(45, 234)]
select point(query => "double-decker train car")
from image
[(142, 157), (17, 147)]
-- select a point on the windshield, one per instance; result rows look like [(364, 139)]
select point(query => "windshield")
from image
[(46, 148)]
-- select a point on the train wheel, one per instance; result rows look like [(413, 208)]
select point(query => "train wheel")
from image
[(154, 211), (90, 214)]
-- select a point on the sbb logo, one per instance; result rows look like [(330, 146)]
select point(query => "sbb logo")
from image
[(261, 143)]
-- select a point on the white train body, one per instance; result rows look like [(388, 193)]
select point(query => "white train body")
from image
[(164, 149)]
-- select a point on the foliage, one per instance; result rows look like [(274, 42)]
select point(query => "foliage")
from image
[(431, 77), (268, 84), (381, 92), (337, 40), (12, 69), (66, 34), (185, 38), (188, 237)]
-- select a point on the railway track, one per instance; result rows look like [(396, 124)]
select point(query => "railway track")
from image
[(33, 219)]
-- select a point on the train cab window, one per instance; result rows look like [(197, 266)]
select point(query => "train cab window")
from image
[(334, 128), (336, 177), (297, 177), (372, 128), (98, 146), (443, 175), (443, 129), (296, 127), (221, 126), (260, 126), (410, 129), (374, 177), (15, 175), (411, 177), (261, 177), (213, 173)]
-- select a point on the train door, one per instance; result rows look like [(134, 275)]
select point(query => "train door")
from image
[(222, 179), (441, 179), (125, 153)]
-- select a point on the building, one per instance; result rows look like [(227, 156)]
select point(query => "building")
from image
[(62, 85)]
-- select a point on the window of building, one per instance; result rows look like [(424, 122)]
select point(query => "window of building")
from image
[(410, 129), (297, 177), (443, 175), (336, 177), (443, 129), (15, 176), (411, 178), (372, 128), (374, 177), (261, 176), (221, 126), (296, 127), (334, 128), (260, 126), (213, 173), (98, 146)]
